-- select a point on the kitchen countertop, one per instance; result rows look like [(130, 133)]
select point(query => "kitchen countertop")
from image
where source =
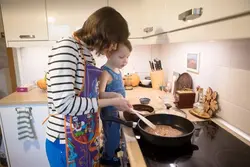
[(38, 96), (134, 152), (34, 96)]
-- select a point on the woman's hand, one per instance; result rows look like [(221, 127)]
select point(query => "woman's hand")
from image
[(118, 95), (119, 102), (122, 104), (109, 95)]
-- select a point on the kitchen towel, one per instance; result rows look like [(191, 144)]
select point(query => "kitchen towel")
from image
[(25, 127)]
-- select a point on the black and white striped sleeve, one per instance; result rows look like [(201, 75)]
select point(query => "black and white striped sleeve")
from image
[(62, 71)]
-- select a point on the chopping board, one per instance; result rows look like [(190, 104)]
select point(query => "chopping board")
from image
[(202, 115), (184, 82)]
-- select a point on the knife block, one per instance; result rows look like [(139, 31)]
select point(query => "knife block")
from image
[(157, 79)]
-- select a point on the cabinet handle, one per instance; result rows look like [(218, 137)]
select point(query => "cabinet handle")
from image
[(148, 29), (27, 36), (190, 14)]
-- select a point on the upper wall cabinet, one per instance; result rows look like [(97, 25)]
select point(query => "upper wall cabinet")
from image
[(237, 28), (154, 16), (212, 9), (64, 16), (35, 21), (132, 11), (24, 20), (162, 15)]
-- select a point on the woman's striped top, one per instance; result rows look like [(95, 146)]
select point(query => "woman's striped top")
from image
[(64, 80)]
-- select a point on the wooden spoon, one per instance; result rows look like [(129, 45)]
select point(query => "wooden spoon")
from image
[(145, 120), (144, 112)]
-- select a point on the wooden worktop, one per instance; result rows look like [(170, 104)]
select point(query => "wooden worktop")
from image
[(34, 96)]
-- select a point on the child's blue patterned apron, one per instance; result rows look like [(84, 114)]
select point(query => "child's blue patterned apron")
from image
[(82, 132)]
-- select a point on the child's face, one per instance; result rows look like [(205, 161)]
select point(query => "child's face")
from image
[(119, 58)]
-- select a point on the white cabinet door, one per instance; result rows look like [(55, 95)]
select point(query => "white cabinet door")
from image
[(24, 20), (132, 11), (212, 9), (154, 16), (64, 16), (230, 29), (25, 153)]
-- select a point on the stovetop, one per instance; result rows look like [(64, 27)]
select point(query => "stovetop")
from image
[(210, 146)]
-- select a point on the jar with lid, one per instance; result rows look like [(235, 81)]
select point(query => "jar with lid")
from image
[(199, 106)]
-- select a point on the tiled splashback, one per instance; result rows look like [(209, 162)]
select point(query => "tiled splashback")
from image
[(224, 66), (138, 60), (33, 61)]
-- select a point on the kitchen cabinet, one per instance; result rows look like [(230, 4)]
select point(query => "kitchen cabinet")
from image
[(212, 9), (237, 28), (41, 22), (24, 20), (163, 17), (133, 12), (62, 20), (24, 153), (64, 16), (154, 16)]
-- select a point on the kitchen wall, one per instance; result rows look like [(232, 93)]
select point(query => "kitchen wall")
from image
[(32, 62), (225, 67)]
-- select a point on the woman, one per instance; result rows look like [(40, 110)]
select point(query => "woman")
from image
[(68, 63)]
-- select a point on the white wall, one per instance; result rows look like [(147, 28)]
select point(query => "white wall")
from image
[(139, 59), (32, 62), (225, 67)]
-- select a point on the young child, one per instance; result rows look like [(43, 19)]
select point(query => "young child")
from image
[(111, 85)]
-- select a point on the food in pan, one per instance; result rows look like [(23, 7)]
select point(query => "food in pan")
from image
[(164, 130)]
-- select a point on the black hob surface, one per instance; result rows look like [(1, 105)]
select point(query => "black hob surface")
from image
[(210, 146)]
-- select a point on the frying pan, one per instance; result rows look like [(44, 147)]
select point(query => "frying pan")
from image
[(140, 107), (180, 123)]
